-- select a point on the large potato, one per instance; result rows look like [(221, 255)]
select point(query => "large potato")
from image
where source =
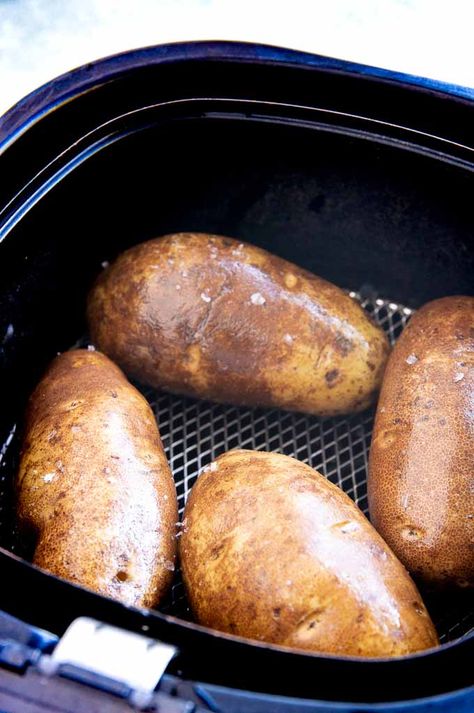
[(272, 551), (210, 317), (94, 485), (421, 476)]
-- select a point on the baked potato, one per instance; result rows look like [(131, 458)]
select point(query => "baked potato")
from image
[(421, 475), (213, 318), (94, 488), (273, 551)]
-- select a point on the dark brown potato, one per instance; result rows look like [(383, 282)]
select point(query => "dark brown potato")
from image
[(273, 551), (421, 480), (94, 484), (211, 317)]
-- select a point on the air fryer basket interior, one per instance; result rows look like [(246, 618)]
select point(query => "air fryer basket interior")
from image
[(381, 218)]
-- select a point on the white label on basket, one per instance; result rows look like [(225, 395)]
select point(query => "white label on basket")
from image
[(131, 658)]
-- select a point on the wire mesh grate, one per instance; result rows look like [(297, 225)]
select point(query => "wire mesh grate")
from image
[(195, 432)]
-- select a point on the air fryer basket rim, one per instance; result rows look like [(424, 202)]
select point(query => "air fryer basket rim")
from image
[(70, 84), (65, 89)]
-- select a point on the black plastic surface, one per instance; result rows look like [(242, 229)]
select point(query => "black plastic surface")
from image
[(355, 201)]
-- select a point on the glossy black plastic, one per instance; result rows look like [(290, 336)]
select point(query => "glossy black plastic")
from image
[(361, 176)]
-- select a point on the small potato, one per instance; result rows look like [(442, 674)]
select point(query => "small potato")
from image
[(273, 551), (94, 485), (421, 476), (210, 317)]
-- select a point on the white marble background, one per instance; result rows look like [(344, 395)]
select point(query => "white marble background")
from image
[(40, 39)]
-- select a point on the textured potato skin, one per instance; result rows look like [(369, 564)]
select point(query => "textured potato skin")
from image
[(210, 317), (94, 485), (421, 476), (272, 551)]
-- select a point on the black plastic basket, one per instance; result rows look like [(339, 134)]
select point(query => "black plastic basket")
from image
[(360, 175)]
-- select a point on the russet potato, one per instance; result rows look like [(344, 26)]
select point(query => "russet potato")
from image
[(272, 551), (210, 317), (421, 475), (94, 487)]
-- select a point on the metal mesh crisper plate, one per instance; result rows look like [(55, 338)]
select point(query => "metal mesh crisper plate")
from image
[(195, 432)]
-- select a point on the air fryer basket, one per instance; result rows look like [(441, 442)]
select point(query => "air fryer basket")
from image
[(380, 210)]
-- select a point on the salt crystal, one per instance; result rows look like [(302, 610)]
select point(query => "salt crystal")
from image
[(349, 527), (90, 348), (288, 339), (184, 273), (458, 376), (105, 264), (412, 359), (205, 297), (211, 468), (170, 261), (48, 477), (178, 287), (167, 564), (405, 502), (257, 299)]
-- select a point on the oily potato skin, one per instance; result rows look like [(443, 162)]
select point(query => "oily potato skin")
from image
[(421, 475), (271, 550), (94, 485), (210, 317)]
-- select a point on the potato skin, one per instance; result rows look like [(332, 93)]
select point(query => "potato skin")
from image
[(94, 484), (273, 551), (421, 476), (210, 317)]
